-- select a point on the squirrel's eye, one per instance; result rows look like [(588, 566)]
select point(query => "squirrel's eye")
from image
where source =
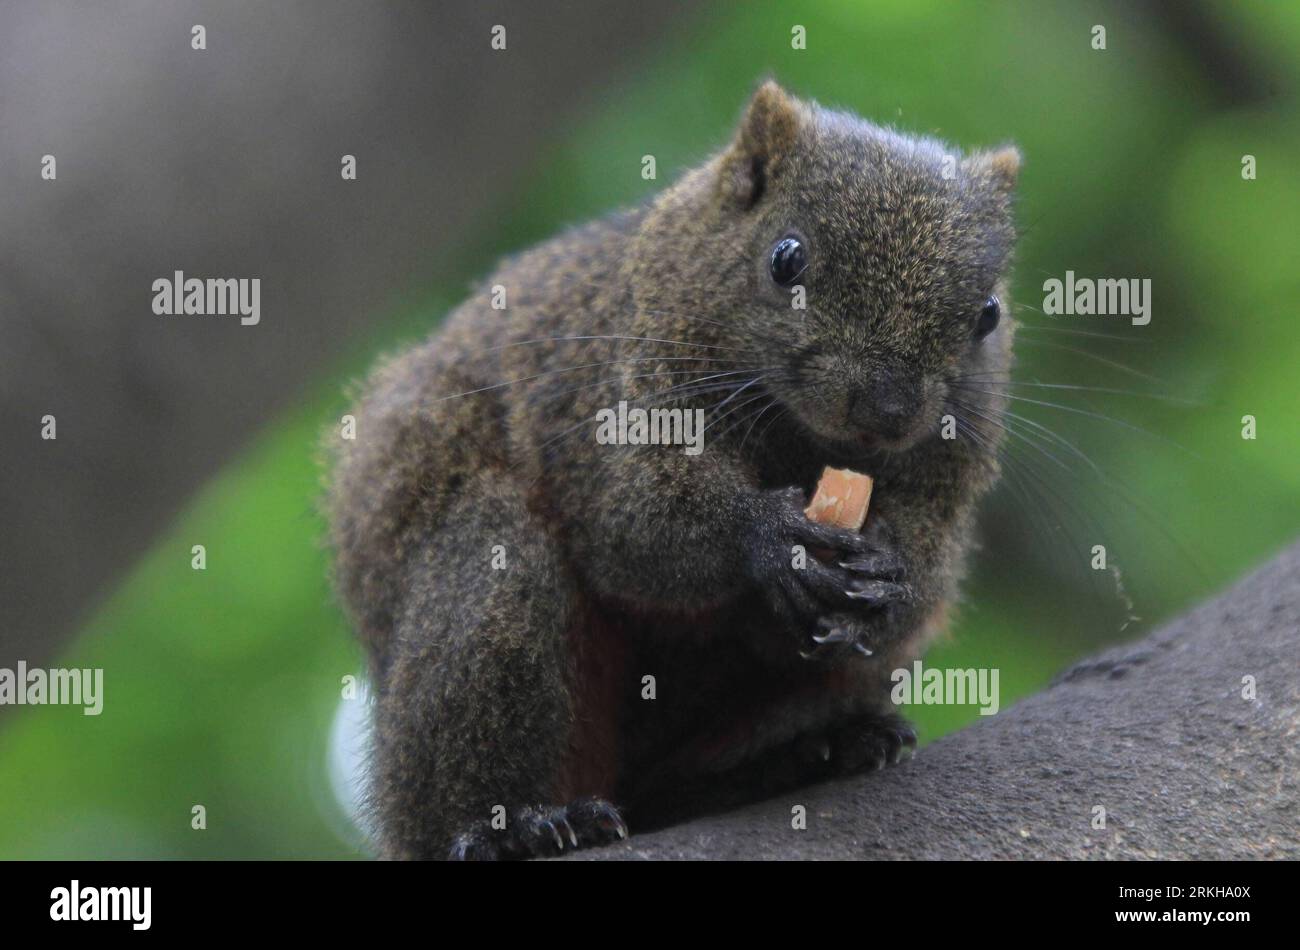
[(988, 318), (789, 261)]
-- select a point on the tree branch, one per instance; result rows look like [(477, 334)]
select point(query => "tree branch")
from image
[(1156, 732)]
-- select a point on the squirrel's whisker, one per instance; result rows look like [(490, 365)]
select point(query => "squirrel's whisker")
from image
[(656, 399), (610, 337), (731, 397), (1114, 364), (749, 417), (742, 405), (1084, 412), (1037, 490), (1046, 434), (1104, 390), (570, 369), (1024, 327), (611, 380), (774, 402)]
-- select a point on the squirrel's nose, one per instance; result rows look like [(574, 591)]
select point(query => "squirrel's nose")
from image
[(885, 404)]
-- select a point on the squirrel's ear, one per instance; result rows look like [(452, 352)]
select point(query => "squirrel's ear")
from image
[(767, 134), (1002, 167)]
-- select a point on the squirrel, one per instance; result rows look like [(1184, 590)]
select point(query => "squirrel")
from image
[(565, 636)]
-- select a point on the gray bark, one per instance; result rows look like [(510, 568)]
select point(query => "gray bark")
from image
[(1156, 732)]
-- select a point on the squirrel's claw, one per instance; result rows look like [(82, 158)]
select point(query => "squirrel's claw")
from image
[(835, 635), (564, 825), (840, 633), (881, 566), (878, 593), (542, 831), (864, 743)]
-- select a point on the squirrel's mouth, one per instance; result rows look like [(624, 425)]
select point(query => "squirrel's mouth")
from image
[(861, 440), (866, 448), (891, 442), (852, 448), (849, 429)]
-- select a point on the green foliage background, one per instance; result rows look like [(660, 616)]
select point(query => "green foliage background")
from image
[(221, 684)]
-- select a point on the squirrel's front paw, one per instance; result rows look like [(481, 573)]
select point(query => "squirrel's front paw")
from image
[(813, 572), (541, 831), (879, 595), (786, 552)]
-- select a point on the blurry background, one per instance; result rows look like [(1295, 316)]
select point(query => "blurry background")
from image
[(221, 685)]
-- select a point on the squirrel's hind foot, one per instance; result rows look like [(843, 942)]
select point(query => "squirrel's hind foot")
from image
[(542, 831), (865, 744)]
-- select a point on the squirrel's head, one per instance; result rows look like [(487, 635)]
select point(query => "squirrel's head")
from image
[(860, 270)]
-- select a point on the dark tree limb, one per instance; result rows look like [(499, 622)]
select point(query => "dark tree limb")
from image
[(1156, 732)]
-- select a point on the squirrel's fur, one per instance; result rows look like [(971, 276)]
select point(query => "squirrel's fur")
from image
[(520, 682)]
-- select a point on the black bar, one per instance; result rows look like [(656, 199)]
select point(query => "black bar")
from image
[(237, 898)]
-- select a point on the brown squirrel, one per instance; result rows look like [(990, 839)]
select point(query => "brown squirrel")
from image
[(556, 624)]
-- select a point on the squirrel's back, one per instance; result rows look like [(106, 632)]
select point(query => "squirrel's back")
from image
[(495, 382)]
